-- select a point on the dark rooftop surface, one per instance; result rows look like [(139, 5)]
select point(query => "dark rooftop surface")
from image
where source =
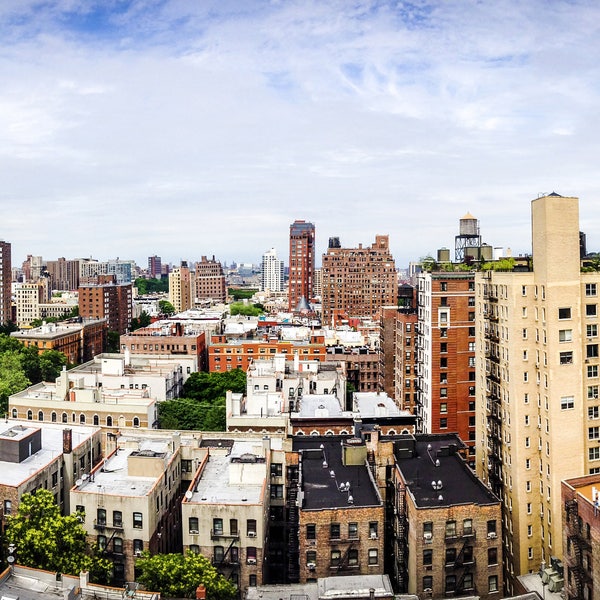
[(424, 459), (321, 490)]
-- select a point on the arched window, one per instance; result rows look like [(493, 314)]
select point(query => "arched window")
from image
[(392, 432), (329, 432), (64, 417), (82, 419), (343, 432), (109, 421), (14, 413), (73, 417), (299, 432), (41, 415), (53, 417), (29, 415), (314, 432), (136, 421), (96, 420), (405, 432)]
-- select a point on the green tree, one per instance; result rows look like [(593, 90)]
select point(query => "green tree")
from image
[(151, 286), (142, 321), (45, 539), (166, 308), (51, 364), (175, 575), (247, 310), (242, 294), (8, 327), (212, 386), (12, 377), (182, 413), (113, 341)]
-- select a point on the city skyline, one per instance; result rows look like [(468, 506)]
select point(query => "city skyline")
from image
[(187, 129)]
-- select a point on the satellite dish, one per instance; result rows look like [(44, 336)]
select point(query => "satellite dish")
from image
[(78, 482), (84, 476), (189, 495), (10, 559)]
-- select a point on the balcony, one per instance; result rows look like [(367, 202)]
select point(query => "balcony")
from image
[(102, 525), (218, 534)]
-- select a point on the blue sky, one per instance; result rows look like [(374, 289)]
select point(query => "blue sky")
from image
[(188, 128)]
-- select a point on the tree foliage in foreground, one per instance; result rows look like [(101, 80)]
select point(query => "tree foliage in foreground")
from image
[(212, 386), (45, 539), (176, 575)]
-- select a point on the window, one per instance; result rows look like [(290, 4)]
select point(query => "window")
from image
[(450, 556), (443, 347), (591, 351), (101, 516), (334, 531), (311, 531), (566, 358), (590, 310), (471, 331), (590, 289), (443, 407), (468, 527), (251, 555), (564, 313), (565, 335), (7, 507), (428, 528), (353, 557), (427, 557), (251, 527), (218, 553), (352, 530), (450, 529), (591, 330), (101, 542), (336, 556), (567, 402), (592, 392), (373, 530), (193, 525), (29, 415), (373, 556), (450, 583), (592, 371), (594, 453), (233, 527), (593, 412), (138, 546), (118, 545), (117, 518), (217, 526), (252, 580), (276, 469), (493, 583), (443, 423), (443, 392), (427, 583), (138, 520), (491, 528), (525, 376)]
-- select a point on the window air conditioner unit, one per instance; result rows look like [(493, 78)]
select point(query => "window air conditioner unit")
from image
[(311, 566), (252, 534), (193, 531), (138, 553), (491, 535), (427, 536), (373, 535), (251, 561)]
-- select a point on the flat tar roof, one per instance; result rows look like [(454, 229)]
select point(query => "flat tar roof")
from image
[(321, 489)]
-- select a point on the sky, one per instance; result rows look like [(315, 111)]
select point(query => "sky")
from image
[(185, 128)]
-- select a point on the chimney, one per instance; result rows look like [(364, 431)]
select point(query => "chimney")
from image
[(67, 441), (84, 579)]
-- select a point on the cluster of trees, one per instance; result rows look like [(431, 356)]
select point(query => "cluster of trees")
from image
[(203, 404), (241, 294), (151, 286), (45, 539), (248, 310), (68, 314), (22, 366)]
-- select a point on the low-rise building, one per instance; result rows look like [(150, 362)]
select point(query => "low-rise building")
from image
[(131, 502), (446, 524), (44, 455)]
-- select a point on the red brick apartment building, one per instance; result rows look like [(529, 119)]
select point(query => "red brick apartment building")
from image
[(446, 355), (209, 281), (302, 263), (107, 300), (358, 281)]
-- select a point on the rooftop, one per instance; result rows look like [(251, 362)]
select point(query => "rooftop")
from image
[(54, 330), (322, 456), (374, 404), (218, 484), (14, 474), (113, 477), (425, 459), (318, 406)]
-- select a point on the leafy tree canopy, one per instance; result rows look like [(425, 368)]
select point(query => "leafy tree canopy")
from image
[(211, 386), (142, 321), (45, 539), (151, 286), (166, 308), (12, 377), (113, 341), (175, 575), (51, 364), (248, 310), (242, 294)]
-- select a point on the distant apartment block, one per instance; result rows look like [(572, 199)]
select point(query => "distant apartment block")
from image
[(90, 270), (271, 272), (209, 281), (357, 282), (5, 283), (63, 273), (28, 297), (108, 300), (154, 267), (181, 288), (79, 340), (301, 264)]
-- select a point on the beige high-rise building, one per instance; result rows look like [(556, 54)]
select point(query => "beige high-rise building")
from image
[(537, 383), (181, 288)]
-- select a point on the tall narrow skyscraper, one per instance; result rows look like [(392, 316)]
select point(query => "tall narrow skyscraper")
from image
[(302, 262), (271, 272), (5, 280)]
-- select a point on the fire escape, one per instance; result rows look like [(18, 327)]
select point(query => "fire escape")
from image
[(401, 536), (293, 553), (578, 555), (464, 568)]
